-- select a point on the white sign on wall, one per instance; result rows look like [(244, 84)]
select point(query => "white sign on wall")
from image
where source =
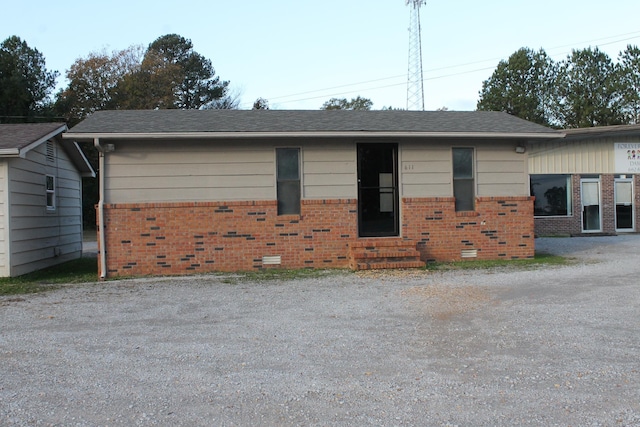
[(627, 157)]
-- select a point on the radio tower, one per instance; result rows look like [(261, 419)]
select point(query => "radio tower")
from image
[(415, 87)]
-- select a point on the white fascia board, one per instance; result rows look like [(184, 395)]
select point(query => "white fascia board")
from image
[(365, 134), (34, 144), (9, 152)]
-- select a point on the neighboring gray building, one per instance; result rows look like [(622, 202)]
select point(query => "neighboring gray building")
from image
[(587, 183), (40, 197)]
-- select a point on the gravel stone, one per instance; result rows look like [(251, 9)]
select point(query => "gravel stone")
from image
[(551, 346)]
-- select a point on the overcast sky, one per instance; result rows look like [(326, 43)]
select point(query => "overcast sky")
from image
[(298, 54)]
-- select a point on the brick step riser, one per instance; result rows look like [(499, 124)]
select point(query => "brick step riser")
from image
[(383, 254), (388, 265)]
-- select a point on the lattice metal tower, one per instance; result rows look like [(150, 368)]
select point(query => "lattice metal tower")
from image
[(415, 85)]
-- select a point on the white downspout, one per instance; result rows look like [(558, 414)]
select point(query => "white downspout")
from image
[(103, 254)]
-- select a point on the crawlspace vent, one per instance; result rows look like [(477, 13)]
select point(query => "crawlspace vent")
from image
[(469, 253), (272, 260)]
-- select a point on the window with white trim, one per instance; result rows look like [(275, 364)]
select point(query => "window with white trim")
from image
[(50, 186)]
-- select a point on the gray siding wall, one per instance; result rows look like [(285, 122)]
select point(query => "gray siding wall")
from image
[(156, 171), (40, 237), (5, 271)]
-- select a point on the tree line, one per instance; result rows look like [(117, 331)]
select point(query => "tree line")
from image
[(169, 73), (586, 89)]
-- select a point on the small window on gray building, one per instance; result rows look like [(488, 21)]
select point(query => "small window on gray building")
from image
[(552, 193), (50, 184), (288, 180), (463, 179)]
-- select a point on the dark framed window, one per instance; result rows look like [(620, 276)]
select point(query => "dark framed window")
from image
[(463, 179), (552, 193), (288, 180)]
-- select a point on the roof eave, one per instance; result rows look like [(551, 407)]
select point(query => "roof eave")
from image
[(9, 152), (52, 134), (88, 136), (22, 151)]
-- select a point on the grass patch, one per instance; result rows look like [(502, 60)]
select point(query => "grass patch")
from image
[(77, 271), (279, 274), (540, 259)]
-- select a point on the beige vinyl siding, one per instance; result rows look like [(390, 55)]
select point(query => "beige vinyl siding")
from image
[(154, 171), (501, 171), (595, 156), (426, 169), (329, 170), (4, 221), (39, 237)]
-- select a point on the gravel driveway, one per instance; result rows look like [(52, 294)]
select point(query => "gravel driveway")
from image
[(550, 346)]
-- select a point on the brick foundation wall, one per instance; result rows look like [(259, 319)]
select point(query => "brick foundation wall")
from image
[(499, 228), (184, 238)]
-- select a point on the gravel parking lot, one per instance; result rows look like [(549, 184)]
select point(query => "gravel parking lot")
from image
[(547, 346)]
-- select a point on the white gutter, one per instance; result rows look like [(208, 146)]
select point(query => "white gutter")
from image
[(300, 134), (103, 254)]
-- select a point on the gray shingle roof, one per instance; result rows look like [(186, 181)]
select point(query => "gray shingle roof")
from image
[(21, 135), (282, 121), (16, 139), (603, 131)]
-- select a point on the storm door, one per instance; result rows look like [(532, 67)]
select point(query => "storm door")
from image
[(377, 190), (624, 204)]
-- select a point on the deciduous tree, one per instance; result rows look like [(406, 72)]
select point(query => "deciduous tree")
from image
[(261, 104), (96, 83), (357, 103)]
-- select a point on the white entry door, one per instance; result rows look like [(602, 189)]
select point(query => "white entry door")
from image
[(624, 204), (591, 216)]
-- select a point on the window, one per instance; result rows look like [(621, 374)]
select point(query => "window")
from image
[(552, 193), (50, 186), (288, 180), (463, 181)]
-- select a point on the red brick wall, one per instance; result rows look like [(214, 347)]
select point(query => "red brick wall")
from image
[(499, 228), (183, 238), (179, 238)]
